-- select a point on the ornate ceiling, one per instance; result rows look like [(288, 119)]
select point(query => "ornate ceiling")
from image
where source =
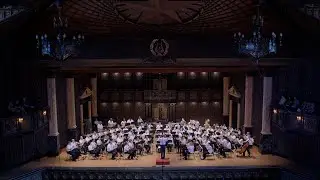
[(180, 16)]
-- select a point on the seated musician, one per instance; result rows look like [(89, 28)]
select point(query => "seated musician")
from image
[(250, 142), (93, 150), (120, 139), (94, 136), (73, 150), (226, 147), (146, 145), (182, 122), (159, 127), (81, 144), (208, 149), (88, 139), (100, 146), (188, 150), (123, 122), (110, 123), (139, 121), (100, 126), (130, 149), (190, 137), (112, 148), (169, 143)]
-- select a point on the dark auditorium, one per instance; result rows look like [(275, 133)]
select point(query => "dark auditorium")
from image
[(159, 90)]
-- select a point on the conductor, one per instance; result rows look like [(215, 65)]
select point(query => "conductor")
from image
[(163, 142)]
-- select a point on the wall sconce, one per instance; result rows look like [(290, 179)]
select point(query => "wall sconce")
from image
[(275, 111), (104, 75), (20, 120), (44, 113), (299, 118)]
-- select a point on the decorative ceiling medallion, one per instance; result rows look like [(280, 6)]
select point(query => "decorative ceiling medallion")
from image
[(158, 12), (159, 47)]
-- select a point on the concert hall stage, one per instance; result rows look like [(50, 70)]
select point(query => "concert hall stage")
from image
[(175, 161)]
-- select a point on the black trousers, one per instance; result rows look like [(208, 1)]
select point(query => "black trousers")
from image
[(247, 150), (163, 151), (75, 154), (132, 154), (95, 152), (148, 148), (185, 153), (113, 154)]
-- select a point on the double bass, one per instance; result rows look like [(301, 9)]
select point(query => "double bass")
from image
[(243, 148)]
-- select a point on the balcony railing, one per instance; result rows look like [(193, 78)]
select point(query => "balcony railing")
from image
[(312, 10), (296, 121), (20, 124), (9, 11)]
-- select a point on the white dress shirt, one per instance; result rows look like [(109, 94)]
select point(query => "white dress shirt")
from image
[(94, 136), (119, 140), (163, 141), (100, 127), (90, 148), (111, 147), (93, 144), (140, 120), (88, 139), (81, 142), (227, 145), (251, 141), (209, 148), (126, 148), (69, 147), (99, 142), (190, 148)]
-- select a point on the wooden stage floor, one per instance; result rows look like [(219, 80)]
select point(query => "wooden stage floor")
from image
[(175, 161)]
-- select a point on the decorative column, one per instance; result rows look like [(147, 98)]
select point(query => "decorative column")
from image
[(94, 98), (230, 113), (89, 122), (248, 104), (225, 107), (266, 136), (53, 138), (81, 120), (238, 115), (71, 110)]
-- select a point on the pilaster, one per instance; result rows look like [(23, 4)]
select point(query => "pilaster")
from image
[(53, 137)]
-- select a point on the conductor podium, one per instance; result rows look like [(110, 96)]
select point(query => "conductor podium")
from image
[(161, 162)]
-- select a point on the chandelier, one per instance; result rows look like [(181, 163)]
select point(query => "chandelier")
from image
[(60, 47), (257, 46)]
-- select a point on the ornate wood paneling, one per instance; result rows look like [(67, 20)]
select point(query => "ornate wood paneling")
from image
[(181, 96), (127, 110), (105, 96), (139, 110), (138, 96), (181, 110), (205, 96), (115, 97), (128, 96), (193, 96), (117, 110)]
